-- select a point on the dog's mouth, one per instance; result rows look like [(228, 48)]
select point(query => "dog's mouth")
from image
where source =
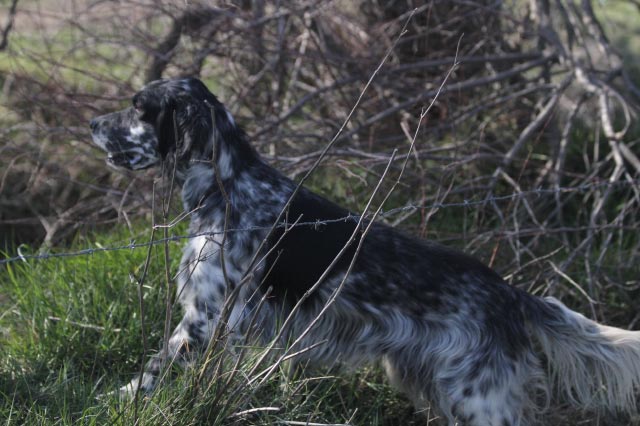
[(128, 160)]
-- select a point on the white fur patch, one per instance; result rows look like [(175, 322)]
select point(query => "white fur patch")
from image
[(137, 130)]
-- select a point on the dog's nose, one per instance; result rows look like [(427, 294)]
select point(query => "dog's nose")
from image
[(93, 124)]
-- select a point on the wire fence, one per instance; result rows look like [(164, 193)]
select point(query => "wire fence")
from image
[(488, 200)]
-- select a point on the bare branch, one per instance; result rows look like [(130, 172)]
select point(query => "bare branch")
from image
[(4, 41)]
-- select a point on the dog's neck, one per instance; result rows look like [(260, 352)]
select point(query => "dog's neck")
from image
[(223, 158)]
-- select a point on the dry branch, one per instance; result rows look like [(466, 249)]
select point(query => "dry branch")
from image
[(4, 41)]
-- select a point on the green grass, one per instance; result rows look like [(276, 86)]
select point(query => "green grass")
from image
[(70, 330), (66, 324), (621, 21)]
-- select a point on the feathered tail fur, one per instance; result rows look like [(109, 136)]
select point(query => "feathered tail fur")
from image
[(596, 366)]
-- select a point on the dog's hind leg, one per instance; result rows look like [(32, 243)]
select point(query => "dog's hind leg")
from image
[(492, 388), (483, 386)]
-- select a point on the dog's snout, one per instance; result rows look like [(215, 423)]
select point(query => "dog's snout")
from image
[(93, 124)]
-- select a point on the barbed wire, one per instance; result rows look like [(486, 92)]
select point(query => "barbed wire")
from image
[(350, 217)]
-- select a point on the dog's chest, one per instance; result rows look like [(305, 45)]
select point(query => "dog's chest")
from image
[(202, 276), (255, 205)]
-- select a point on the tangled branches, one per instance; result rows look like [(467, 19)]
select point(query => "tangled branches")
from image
[(540, 99)]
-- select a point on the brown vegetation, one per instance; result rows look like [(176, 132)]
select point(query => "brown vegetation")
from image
[(539, 99)]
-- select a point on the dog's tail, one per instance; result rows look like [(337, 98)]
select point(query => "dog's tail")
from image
[(595, 365)]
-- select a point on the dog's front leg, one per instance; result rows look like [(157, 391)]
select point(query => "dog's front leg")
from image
[(202, 298), (188, 341)]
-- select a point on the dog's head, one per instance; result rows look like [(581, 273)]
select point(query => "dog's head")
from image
[(165, 116)]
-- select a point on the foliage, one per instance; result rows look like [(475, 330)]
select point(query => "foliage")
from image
[(540, 99)]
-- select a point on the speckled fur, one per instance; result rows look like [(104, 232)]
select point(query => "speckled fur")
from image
[(447, 329)]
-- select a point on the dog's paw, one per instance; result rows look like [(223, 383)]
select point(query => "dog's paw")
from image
[(128, 392)]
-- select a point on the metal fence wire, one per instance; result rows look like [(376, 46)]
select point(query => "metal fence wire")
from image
[(488, 200)]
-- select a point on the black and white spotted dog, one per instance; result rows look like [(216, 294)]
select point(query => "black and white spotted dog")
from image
[(447, 329)]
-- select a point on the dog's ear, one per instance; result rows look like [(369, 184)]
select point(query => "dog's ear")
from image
[(183, 126), (165, 127)]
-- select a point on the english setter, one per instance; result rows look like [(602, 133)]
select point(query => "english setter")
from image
[(447, 329)]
